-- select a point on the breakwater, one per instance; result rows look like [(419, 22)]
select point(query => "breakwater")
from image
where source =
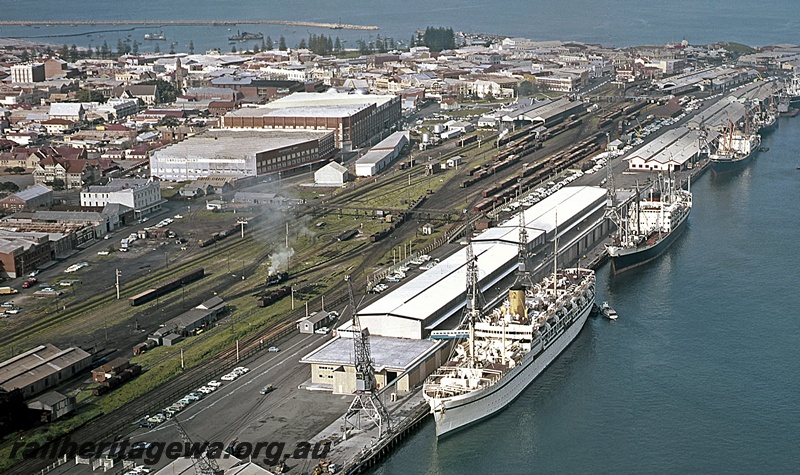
[(313, 24)]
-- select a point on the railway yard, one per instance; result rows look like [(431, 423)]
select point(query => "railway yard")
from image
[(316, 236)]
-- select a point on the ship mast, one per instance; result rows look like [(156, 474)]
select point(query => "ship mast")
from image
[(555, 257), (472, 300), (523, 276)]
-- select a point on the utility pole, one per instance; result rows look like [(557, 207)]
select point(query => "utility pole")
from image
[(117, 273), (242, 222)]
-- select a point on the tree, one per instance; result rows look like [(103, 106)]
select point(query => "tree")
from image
[(18, 169), (525, 88), (256, 49), (25, 56), (282, 43), (89, 96), (58, 184), (302, 45), (120, 47), (105, 51), (337, 45), (438, 39), (135, 48), (73, 53), (165, 91), (157, 49), (169, 121), (172, 48), (233, 49), (191, 47), (269, 44), (63, 53)]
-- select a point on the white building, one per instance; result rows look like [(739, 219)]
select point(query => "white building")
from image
[(118, 108), (332, 174), (31, 72), (141, 195), (67, 110), (382, 154), (240, 153)]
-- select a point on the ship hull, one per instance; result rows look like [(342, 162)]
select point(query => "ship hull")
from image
[(629, 259), (721, 167), (468, 409)]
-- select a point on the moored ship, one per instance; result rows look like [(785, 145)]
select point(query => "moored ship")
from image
[(507, 348), (246, 36), (155, 36), (652, 224), (735, 149)]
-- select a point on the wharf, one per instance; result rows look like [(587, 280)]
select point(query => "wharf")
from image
[(363, 449)]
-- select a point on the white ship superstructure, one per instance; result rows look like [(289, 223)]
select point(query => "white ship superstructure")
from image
[(509, 347)]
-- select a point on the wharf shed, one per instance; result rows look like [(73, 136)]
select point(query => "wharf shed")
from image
[(673, 150), (423, 303)]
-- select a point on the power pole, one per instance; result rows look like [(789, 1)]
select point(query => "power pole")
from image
[(366, 402), (242, 222)]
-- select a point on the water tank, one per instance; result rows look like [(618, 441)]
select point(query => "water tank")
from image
[(438, 128), (426, 138)]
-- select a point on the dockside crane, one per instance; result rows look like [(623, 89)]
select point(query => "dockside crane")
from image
[(202, 464), (366, 404)]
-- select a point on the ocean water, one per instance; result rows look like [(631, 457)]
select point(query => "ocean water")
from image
[(610, 22), (698, 375)]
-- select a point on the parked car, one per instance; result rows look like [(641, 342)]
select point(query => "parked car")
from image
[(322, 331), (273, 349), (214, 383), (34, 273), (28, 283), (229, 377)]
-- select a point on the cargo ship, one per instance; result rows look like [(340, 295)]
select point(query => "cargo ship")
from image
[(245, 36), (503, 350), (652, 224), (735, 149)]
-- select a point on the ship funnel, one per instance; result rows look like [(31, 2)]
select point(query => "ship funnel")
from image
[(516, 300)]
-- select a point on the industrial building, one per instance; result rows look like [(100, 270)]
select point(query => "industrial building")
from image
[(332, 174), (36, 196), (423, 303), (673, 150), (357, 120), (315, 321), (382, 154), (41, 368), (394, 361), (241, 153)]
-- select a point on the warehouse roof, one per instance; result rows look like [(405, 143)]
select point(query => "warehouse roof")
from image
[(36, 364), (386, 352), (237, 143)]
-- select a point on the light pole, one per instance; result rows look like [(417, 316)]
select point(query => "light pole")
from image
[(117, 274)]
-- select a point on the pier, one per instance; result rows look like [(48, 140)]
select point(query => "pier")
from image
[(313, 24)]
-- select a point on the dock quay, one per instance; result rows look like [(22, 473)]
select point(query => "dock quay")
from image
[(313, 24)]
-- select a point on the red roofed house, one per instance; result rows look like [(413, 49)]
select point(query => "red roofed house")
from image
[(66, 164)]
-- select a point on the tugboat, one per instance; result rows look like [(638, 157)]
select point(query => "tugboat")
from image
[(608, 312)]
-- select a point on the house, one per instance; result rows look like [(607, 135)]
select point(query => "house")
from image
[(332, 174), (428, 229), (148, 94), (72, 173)]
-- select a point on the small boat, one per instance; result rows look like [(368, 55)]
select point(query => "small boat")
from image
[(607, 311)]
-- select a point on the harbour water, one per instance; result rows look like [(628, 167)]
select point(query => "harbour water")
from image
[(616, 23), (698, 375)]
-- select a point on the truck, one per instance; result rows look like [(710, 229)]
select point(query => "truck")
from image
[(123, 245), (8, 290)]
